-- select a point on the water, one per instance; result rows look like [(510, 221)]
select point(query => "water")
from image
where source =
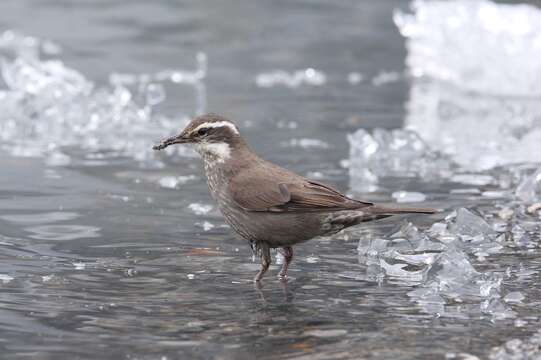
[(109, 250)]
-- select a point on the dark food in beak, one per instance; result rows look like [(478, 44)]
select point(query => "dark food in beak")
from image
[(177, 139)]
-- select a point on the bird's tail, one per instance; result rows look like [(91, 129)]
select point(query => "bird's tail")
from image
[(377, 210)]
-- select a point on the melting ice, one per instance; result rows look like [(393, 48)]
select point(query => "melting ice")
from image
[(47, 106)]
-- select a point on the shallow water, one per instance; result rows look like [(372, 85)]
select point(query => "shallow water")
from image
[(119, 254)]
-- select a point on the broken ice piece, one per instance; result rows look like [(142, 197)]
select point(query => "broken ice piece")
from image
[(207, 226), (58, 159), (5, 278), (200, 209), (399, 272), (515, 296), (473, 179), (385, 77), (469, 224), (529, 190), (408, 196), (355, 78), (307, 76), (534, 208), (470, 191)]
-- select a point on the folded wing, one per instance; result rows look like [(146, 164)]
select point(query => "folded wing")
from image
[(285, 194)]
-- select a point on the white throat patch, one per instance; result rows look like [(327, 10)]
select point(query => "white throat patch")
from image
[(219, 152)]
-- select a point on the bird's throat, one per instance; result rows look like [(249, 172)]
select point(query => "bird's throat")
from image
[(214, 152)]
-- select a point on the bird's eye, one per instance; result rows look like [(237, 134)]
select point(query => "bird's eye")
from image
[(202, 131)]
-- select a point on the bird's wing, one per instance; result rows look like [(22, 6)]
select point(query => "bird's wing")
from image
[(276, 193)]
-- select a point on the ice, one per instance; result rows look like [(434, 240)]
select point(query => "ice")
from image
[(355, 78), (79, 265), (386, 77), (408, 196), (477, 132), (476, 45), (456, 47), (207, 226), (529, 189), (452, 276), (521, 237), (515, 297), (307, 76), (326, 333), (401, 273), (517, 349), (200, 209), (307, 143), (497, 309), (437, 262), (471, 225), (174, 182), (5, 278), (398, 153), (47, 106), (57, 159), (473, 179)]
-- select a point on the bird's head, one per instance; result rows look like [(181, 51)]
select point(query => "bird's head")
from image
[(211, 134)]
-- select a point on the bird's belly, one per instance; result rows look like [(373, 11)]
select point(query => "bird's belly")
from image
[(276, 229)]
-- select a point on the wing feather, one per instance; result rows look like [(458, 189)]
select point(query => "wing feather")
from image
[(301, 195)]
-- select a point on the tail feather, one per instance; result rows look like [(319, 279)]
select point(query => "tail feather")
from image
[(401, 210)]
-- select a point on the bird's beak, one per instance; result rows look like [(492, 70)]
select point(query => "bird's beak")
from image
[(177, 139)]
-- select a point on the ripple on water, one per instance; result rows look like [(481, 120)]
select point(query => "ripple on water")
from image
[(40, 218), (63, 232)]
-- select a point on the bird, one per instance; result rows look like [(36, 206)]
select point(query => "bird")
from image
[(267, 205)]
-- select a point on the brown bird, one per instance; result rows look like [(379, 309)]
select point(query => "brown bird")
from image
[(267, 205)]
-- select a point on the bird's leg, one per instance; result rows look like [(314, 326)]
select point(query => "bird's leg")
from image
[(264, 253), (287, 253)]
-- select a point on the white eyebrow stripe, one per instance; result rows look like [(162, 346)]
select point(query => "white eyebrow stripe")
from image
[(216, 125)]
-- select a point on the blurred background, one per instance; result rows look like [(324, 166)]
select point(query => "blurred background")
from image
[(109, 250)]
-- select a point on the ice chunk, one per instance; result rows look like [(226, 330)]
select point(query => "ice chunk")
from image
[(355, 78), (452, 40), (5, 278), (307, 143), (307, 76), (452, 276), (497, 309), (529, 189), (515, 296), (391, 153), (385, 77), (448, 44), (57, 158), (408, 196), (401, 273), (469, 224), (200, 209), (207, 226), (79, 265), (473, 179), (529, 348), (173, 182), (369, 246), (48, 106)]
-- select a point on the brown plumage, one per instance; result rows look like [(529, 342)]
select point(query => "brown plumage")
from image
[(268, 205)]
